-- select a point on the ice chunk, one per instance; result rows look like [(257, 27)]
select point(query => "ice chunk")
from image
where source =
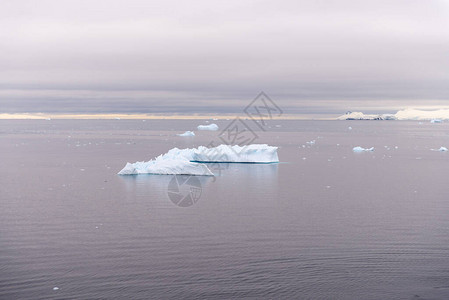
[(187, 133), (190, 161), (436, 121), (55, 288), (361, 149), (212, 127), (442, 149)]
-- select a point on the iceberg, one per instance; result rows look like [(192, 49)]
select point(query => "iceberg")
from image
[(435, 116), (187, 133), (442, 149), (212, 127), (256, 153), (166, 167), (361, 149), (421, 115), (361, 116), (191, 161)]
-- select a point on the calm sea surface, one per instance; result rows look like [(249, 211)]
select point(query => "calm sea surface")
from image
[(325, 223)]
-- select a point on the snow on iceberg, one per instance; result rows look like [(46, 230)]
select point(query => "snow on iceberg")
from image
[(212, 127), (256, 153), (361, 149), (190, 161), (187, 133)]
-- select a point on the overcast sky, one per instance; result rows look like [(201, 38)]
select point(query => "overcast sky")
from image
[(215, 56)]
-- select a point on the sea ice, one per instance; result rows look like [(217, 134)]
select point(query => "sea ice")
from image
[(436, 121), (187, 133), (212, 127), (361, 149), (190, 161)]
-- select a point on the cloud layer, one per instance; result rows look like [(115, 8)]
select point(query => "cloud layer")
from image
[(206, 53)]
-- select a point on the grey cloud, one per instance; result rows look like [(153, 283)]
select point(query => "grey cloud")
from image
[(218, 51)]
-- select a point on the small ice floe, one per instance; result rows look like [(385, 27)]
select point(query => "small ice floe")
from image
[(212, 127), (436, 121), (442, 149), (187, 133), (48, 119), (311, 142), (361, 149), (278, 126), (349, 128), (55, 288)]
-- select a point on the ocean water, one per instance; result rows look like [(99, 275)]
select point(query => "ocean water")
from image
[(325, 223)]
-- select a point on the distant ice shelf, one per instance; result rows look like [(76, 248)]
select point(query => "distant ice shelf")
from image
[(435, 116), (212, 127), (192, 161)]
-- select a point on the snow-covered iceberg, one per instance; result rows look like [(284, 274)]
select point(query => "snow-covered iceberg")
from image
[(187, 133), (212, 127), (361, 149), (191, 161)]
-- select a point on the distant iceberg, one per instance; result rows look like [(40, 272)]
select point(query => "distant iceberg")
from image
[(435, 116), (191, 161), (187, 133), (361, 149), (416, 114), (361, 116), (442, 149), (212, 127)]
